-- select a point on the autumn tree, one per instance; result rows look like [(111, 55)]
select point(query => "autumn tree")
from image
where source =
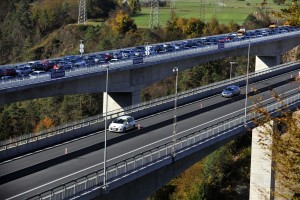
[(171, 29), (291, 15), (44, 124), (121, 23), (285, 147), (193, 27), (212, 27)]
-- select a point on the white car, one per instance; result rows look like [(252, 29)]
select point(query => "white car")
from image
[(122, 124), (35, 74)]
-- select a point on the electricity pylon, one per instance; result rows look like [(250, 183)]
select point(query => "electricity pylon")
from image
[(202, 10), (154, 14), (82, 16), (173, 6)]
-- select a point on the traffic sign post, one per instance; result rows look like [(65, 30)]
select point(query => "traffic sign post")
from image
[(81, 47)]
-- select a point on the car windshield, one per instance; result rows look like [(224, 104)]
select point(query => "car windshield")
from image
[(230, 89), (120, 121)]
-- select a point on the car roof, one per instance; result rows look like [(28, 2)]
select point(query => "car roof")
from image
[(39, 71), (124, 117), (232, 86)]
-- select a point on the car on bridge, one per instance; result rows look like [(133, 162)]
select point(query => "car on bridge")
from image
[(231, 91), (37, 73), (122, 124)]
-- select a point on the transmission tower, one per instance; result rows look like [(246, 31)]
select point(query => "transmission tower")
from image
[(202, 10), (154, 14), (82, 12), (173, 6)]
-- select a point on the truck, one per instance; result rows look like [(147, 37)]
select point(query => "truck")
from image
[(273, 25), (241, 32)]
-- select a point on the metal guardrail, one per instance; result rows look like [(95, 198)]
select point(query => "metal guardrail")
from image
[(86, 184), (123, 64), (32, 137)]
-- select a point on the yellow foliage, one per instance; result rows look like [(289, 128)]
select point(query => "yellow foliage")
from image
[(46, 123), (121, 23)]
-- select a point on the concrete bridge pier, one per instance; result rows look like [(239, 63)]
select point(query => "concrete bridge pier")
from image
[(265, 62), (262, 181), (120, 100)]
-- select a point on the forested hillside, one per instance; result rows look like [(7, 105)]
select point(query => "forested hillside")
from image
[(43, 29)]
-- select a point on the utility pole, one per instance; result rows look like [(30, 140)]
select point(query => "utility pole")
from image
[(82, 15), (154, 14)]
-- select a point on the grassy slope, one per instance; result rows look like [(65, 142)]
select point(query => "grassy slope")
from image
[(232, 10)]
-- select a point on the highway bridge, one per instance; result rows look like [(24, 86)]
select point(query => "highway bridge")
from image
[(205, 122), (126, 80), (202, 125)]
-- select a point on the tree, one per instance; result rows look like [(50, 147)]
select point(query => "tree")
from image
[(171, 30), (44, 124), (100, 8), (212, 27), (291, 15), (193, 28), (132, 6), (121, 23), (285, 147)]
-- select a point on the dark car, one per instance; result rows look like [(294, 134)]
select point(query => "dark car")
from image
[(42, 66), (8, 71), (231, 91)]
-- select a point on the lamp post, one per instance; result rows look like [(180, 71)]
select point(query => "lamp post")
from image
[(231, 63), (105, 129), (247, 81), (175, 71)]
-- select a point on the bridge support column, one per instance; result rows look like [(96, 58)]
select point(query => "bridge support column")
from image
[(265, 62), (119, 100), (262, 180)]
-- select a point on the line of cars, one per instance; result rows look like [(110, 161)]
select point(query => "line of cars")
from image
[(72, 62)]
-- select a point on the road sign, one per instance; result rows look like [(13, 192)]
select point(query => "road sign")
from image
[(138, 60), (221, 45), (81, 50), (81, 46)]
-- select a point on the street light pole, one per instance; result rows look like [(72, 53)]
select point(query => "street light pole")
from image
[(105, 128), (231, 63), (247, 81), (175, 71)]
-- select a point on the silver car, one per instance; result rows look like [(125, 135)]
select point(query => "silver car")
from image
[(231, 91)]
